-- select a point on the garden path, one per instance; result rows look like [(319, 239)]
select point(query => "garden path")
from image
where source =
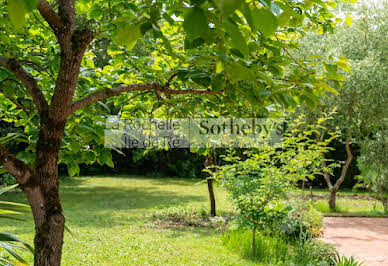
[(364, 238)]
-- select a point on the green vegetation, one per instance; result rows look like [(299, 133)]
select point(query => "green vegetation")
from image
[(66, 65), (113, 221), (10, 244), (349, 203), (124, 220), (277, 250)]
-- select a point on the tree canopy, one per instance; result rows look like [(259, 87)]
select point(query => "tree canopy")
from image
[(160, 58)]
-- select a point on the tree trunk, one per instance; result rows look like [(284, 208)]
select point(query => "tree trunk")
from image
[(333, 194), (44, 197), (211, 197), (254, 241), (208, 162)]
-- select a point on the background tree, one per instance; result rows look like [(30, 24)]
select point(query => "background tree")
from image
[(53, 68), (361, 101)]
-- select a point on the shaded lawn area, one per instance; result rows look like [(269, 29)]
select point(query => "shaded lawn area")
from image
[(110, 217)]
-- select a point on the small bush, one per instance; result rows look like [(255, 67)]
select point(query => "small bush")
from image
[(181, 216), (304, 219)]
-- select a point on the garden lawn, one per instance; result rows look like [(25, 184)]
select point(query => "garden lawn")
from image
[(348, 203), (110, 217)]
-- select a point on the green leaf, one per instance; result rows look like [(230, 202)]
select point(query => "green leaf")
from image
[(128, 34), (219, 66), (265, 21), (283, 19), (5, 189), (218, 83), (227, 6), (31, 4), (237, 39), (12, 252), (237, 72), (73, 169), (105, 158), (95, 12), (17, 13), (195, 22)]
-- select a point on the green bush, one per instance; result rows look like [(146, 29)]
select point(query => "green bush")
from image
[(182, 216)]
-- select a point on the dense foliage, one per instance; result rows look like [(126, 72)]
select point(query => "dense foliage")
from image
[(360, 103)]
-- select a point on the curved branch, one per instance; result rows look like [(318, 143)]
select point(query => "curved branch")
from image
[(107, 93), (27, 79), (21, 171), (52, 18)]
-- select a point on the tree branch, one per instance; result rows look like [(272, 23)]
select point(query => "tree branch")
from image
[(27, 79), (21, 171), (15, 102), (346, 166), (157, 88), (66, 11), (52, 18)]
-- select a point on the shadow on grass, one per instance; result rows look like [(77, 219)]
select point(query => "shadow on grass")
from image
[(96, 205)]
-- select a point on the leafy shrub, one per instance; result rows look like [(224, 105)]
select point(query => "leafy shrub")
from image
[(304, 219), (187, 217), (258, 183)]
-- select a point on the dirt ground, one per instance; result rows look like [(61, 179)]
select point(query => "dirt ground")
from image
[(363, 238)]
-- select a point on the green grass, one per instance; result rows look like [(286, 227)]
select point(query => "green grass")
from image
[(111, 218), (277, 250), (348, 203)]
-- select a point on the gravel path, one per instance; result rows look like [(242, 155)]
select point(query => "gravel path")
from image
[(363, 238)]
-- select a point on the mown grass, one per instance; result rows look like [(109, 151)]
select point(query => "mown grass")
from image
[(113, 221), (348, 203), (111, 217)]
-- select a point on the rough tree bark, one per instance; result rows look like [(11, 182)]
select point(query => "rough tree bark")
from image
[(40, 181), (208, 162)]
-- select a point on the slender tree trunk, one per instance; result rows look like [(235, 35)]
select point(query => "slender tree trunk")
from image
[(208, 162), (333, 194), (211, 197), (254, 241), (334, 188)]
